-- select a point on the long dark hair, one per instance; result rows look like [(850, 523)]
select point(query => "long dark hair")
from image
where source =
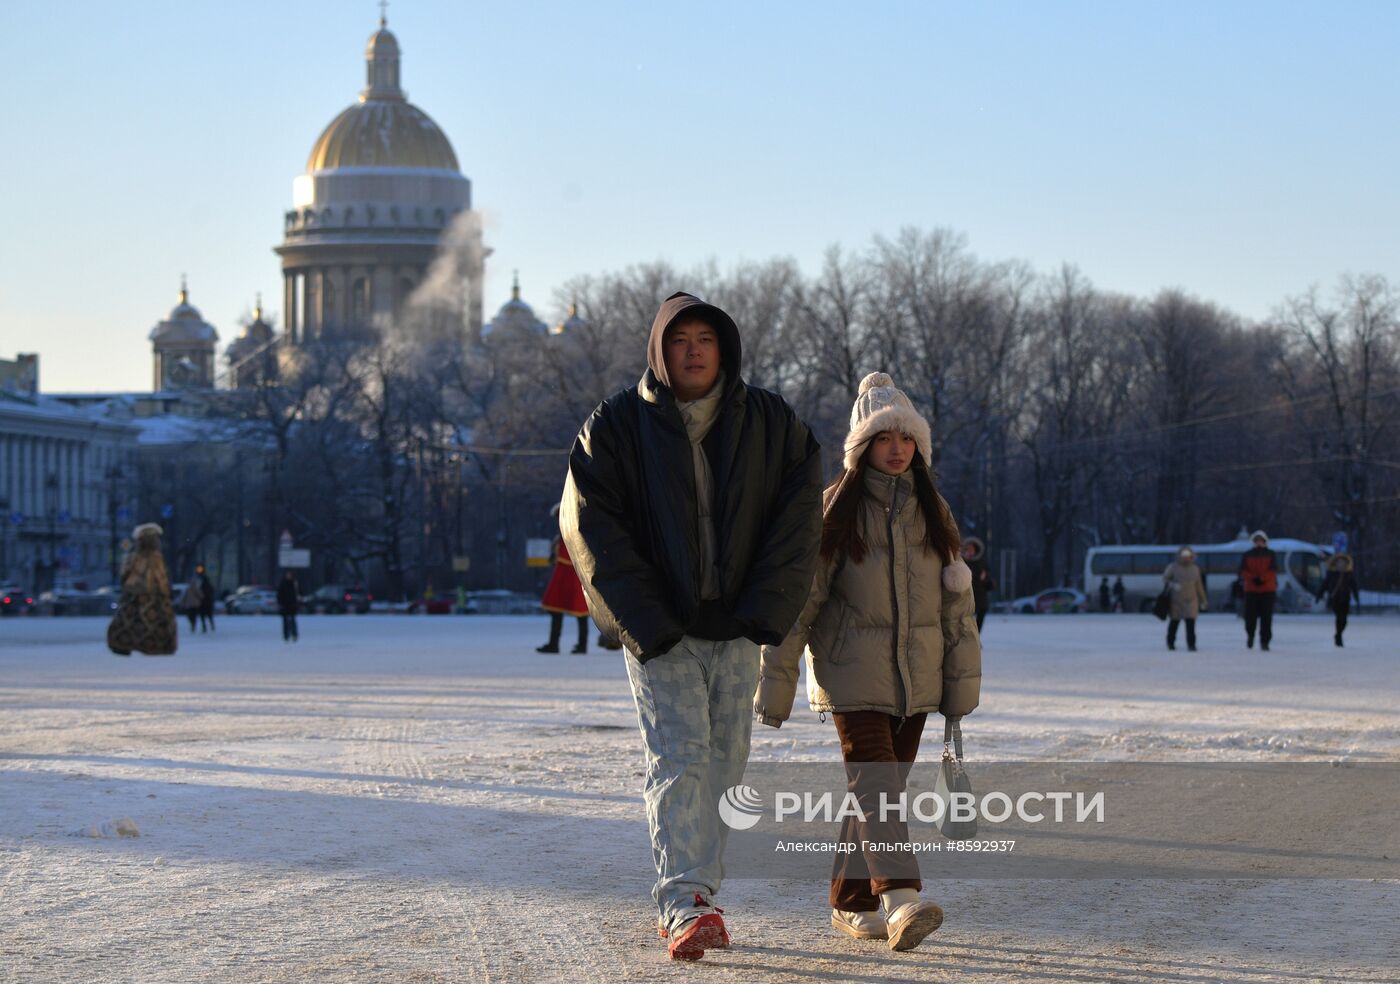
[(841, 522)]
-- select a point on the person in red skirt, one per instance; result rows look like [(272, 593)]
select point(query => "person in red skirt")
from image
[(564, 596)]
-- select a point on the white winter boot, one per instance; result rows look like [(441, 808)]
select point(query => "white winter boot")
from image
[(909, 918), (861, 925)]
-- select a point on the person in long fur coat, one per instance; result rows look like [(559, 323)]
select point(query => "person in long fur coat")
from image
[(145, 618)]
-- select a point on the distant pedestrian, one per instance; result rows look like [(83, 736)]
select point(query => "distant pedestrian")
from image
[(288, 603), (564, 596), (1339, 588), (1259, 578), (145, 618), (1119, 594), (1188, 596), (1105, 598), (974, 553), (206, 601), (190, 601)]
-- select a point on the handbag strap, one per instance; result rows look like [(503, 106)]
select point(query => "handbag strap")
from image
[(952, 737)]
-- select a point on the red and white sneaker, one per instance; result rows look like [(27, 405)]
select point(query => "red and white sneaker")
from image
[(705, 931)]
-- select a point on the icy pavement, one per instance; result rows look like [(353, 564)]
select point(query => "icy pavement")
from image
[(428, 799)]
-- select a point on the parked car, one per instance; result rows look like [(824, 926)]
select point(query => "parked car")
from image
[(258, 602), (71, 601), (337, 599), (108, 596), (498, 601), (231, 602), (1056, 601), (14, 600), (441, 605)]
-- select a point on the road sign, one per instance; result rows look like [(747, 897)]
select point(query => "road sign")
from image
[(166, 511), (1339, 543), (294, 558), (124, 514), (537, 552), (461, 563), (285, 540)]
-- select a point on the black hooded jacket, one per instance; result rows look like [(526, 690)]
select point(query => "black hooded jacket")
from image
[(630, 518)]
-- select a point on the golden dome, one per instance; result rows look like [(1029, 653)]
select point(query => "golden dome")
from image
[(382, 133), (383, 129)]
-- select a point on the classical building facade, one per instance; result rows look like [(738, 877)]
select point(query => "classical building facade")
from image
[(66, 480), (381, 192)]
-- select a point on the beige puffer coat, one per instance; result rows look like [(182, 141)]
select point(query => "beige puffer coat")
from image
[(1188, 590), (869, 648)]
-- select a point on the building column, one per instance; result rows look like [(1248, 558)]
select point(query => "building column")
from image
[(312, 303), (290, 315)]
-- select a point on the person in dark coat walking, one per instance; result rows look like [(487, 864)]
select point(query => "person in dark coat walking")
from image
[(974, 553), (692, 514), (1119, 594), (1105, 597), (288, 603), (206, 601), (1339, 587), (1259, 578)]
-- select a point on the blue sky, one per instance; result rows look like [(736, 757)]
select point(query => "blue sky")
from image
[(1242, 151)]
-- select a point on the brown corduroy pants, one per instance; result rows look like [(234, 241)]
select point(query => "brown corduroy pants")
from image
[(879, 753)]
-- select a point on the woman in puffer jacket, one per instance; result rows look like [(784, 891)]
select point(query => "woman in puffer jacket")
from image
[(891, 636)]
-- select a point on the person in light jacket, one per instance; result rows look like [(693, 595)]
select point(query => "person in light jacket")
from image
[(890, 632), (190, 601), (1188, 596)]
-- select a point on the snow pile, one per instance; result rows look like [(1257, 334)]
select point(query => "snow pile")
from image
[(123, 827)]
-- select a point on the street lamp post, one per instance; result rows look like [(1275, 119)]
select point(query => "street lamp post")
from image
[(51, 501), (114, 475), (4, 538)]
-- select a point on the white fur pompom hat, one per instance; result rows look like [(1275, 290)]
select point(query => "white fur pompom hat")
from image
[(883, 406)]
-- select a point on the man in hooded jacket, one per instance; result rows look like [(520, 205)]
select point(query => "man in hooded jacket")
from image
[(692, 512)]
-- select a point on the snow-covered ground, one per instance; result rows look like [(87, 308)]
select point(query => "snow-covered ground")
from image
[(427, 799)]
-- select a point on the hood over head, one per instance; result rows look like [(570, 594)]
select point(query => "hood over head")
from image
[(688, 305)]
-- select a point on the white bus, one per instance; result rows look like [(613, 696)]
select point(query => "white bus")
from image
[(1301, 567)]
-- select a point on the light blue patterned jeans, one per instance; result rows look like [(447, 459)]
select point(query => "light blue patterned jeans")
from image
[(695, 710)]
